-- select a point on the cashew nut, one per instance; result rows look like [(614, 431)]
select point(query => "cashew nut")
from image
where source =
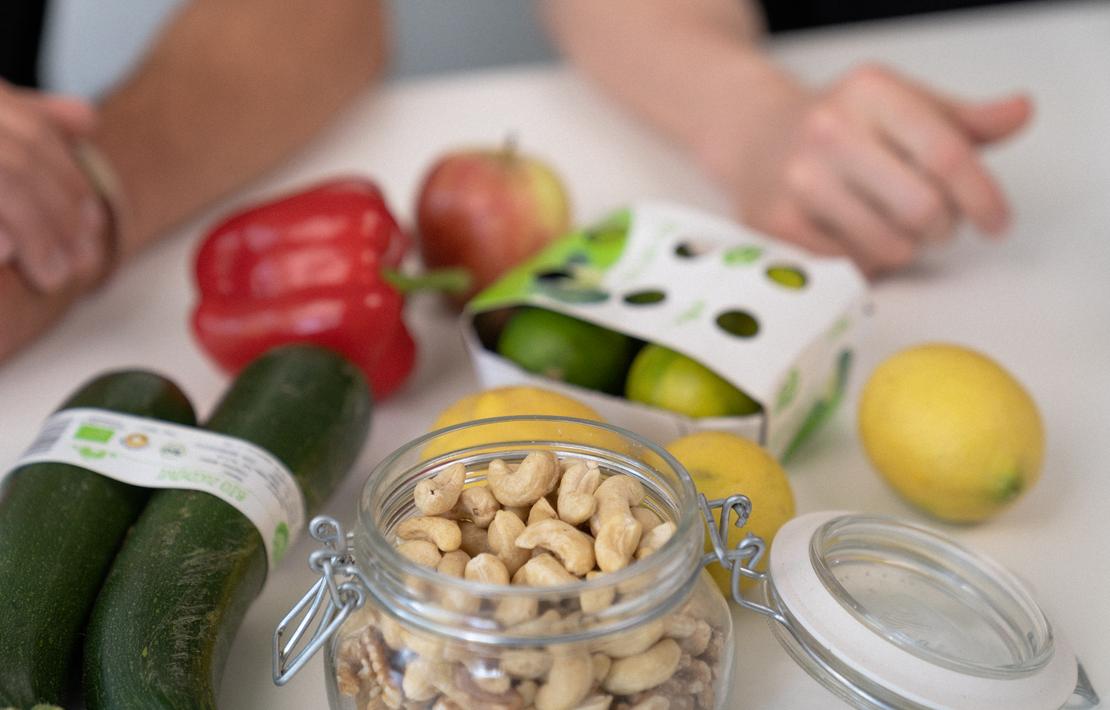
[(616, 541), (453, 563), (648, 519), (601, 664), (618, 531), (573, 547), (444, 533), (474, 538), (503, 532), (488, 569), (595, 702), (475, 504), (494, 684), (527, 690), (421, 552), (696, 643), (392, 633), (546, 571), (526, 662), (568, 683), (541, 510), (654, 539), (512, 611), (632, 642), (645, 670), (536, 476), (469, 693), (423, 646), (576, 492), (596, 600), (679, 626), (435, 496), (417, 680)]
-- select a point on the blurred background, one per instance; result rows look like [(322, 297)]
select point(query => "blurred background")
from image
[(89, 44)]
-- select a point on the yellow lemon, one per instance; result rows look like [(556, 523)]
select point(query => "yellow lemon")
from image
[(951, 430), (513, 401), (722, 464)]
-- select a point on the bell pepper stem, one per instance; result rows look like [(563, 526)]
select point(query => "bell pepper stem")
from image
[(441, 280)]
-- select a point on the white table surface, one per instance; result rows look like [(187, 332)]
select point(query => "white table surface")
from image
[(1038, 302)]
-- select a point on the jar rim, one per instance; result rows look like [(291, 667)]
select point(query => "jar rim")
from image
[(375, 542)]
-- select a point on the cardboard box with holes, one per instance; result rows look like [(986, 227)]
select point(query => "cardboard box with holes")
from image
[(668, 320)]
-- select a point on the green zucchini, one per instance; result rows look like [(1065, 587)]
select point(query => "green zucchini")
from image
[(60, 527), (180, 586)]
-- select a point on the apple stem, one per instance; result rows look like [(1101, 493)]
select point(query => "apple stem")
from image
[(442, 280), (509, 147)]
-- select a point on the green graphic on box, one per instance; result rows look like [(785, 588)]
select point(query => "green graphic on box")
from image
[(771, 320)]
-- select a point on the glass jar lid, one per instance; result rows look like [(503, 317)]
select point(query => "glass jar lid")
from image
[(889, 614)]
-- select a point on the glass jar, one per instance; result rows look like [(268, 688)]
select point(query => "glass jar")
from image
[(657, 633), (883, 613)]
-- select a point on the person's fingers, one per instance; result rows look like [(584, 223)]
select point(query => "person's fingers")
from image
[(24, 312), (40, 255), (7, 248), (911, 200), (74, 116), (940, 149), (865, 231), (983, 121), (992, 121), (788, 222), (37, 158)]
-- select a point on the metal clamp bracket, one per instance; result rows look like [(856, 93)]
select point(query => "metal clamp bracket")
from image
[(742, 560), (327, 603)]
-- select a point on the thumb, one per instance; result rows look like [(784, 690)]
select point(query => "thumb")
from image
[(991, 121), (74, 116)]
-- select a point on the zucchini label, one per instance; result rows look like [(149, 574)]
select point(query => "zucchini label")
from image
[(156, 454)]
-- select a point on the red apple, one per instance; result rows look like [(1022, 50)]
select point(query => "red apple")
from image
[(487, 210)]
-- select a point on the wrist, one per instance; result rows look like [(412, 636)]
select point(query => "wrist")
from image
[(749, 98)]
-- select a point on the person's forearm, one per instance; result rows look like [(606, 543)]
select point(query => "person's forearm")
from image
[(229, 88), (693, 68)]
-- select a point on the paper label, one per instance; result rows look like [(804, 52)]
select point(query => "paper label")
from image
[(156, 454)]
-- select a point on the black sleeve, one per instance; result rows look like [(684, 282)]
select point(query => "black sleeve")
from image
[(21, 23)]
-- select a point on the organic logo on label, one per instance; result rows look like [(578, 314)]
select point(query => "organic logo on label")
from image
[(88, 432), (281, 541), (173, 450), (136, 441)]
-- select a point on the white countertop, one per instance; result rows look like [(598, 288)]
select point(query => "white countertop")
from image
[(1039, 303)]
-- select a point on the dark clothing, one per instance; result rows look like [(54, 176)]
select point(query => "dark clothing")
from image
[(21, 24), (784, 15)]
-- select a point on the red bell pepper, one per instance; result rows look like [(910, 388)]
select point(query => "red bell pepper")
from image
[(308, 267)]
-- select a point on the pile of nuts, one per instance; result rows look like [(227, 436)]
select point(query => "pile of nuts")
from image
[(541, 523)]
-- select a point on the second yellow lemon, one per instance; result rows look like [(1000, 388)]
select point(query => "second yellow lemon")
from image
[(722, 464)]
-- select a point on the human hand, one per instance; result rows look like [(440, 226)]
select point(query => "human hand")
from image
[(51, 219), (875, 167), (25, 313)]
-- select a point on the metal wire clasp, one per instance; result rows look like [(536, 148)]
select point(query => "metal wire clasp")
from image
[(327, 603), (742, 560)]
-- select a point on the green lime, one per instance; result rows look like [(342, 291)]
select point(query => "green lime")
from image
[(663, 378), (568, 349)]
